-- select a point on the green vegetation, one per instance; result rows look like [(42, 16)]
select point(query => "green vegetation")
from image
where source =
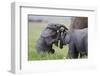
[(34, 30)]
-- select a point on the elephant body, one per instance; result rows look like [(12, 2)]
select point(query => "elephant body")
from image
[(78, 42)]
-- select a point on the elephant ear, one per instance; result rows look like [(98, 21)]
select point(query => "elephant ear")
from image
[(48, 33)]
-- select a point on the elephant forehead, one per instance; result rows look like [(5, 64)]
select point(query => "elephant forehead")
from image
[(48, 32)]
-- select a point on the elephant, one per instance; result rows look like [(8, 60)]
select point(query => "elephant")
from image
[(77, 40), (49, 36)]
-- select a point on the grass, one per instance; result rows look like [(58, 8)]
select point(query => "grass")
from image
[(34, 31)]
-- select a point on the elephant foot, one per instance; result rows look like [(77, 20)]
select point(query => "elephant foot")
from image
[(83, 55)]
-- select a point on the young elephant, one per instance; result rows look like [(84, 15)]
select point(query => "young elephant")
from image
[(48, 37), (78, 42)]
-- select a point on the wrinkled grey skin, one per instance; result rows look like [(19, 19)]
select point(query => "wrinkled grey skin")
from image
[(78, 42), (48, 37)]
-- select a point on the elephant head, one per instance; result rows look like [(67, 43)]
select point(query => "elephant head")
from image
[(49, 36)]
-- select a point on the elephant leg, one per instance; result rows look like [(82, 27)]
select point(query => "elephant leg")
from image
[(72, 53), (56, 43), (83, 55), (84, 51), (61, 44), (51, 50)]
